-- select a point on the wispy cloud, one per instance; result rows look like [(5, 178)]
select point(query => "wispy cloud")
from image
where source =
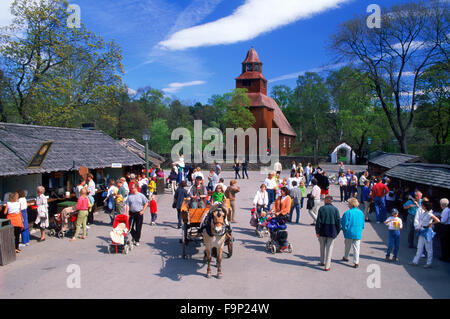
[(295, 75), (176, 86), (248, 21)]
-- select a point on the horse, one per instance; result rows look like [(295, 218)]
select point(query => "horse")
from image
[(214, 235)]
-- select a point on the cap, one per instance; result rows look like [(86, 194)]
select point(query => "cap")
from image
[(394, 211)]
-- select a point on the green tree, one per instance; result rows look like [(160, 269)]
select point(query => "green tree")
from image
[(160, 141), (56, 72), (412, 37), (282, 94), (433, 113), (238, 114)]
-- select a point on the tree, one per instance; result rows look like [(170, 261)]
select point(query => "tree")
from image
[(282, 94), (412, 37), (160, 141), (238, 114), (56, 72), (433, 113)]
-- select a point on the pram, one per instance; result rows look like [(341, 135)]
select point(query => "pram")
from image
[(260, 227), (64, 223), (120, 243), (278, 236)]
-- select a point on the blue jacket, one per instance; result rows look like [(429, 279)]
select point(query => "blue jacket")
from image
[(353, 223)]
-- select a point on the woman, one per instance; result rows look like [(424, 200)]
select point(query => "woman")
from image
[(42, 215), (244, 169), (423, 223), (342, 186), (236, 170), (354, 185), (230, 193), (293, 169), (352, 223), (23, 210), (12, 212), (283, 205), (82, 207), (261, 199), (180, 195)]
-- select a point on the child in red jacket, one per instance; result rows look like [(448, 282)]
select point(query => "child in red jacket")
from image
[(153, 209)]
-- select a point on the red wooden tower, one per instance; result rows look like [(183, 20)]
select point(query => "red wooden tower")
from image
[(265, 110)]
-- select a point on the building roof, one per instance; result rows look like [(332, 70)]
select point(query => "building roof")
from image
[(139, 150), (389, 160), (252, 57), (71, 149), (436, 175)]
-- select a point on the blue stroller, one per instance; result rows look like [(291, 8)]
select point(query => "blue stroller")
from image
[(278, 236)]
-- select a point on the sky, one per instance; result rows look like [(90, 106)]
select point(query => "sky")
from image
[(193, 49)]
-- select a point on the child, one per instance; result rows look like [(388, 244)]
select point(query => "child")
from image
[(153, 209), (152, 186), (263, 219), (218, 196), (394, 224), (303, 189)]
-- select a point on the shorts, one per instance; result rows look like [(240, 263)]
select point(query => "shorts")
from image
[(324, 192)]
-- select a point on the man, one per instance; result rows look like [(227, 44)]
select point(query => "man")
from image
[(125, 184), (412, 205), (362, 183), (277, 167), (218, 168), (296, 178), (213, 180), (296, 195), (341, 168), (91, 194), (349, 177), (222, 183), (197, 194), (315, 195), (379, 191), (136, 204), (328, 226), (270, 188)]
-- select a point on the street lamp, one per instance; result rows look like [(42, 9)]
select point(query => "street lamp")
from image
[(369, 141), (146, 138), (395, 141)]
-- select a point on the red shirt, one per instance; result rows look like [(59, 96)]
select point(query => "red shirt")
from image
[(153, 207), (380, 190)]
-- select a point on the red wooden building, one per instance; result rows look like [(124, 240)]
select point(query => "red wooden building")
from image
[(265, 110)]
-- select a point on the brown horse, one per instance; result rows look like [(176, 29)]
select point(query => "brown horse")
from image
[(214, 235)]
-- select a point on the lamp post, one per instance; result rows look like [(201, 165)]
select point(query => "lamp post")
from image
[(146, 138), (369, 141), (395, 141)]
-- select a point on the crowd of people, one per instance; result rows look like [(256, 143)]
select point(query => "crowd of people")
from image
[(285, 197)]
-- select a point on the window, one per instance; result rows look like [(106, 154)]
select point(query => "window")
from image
[(284, 142), (249, 67), (246, 83), (289, 143), (257, 67)]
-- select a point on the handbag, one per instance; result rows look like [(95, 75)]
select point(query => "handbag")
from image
[(310, 202)]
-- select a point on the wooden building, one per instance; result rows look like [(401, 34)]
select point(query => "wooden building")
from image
[(380, 162), (71, 149), (265, 110)]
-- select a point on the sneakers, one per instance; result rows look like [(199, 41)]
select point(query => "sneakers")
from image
[(153, 224), (22, 245), (395, 259), (388, 258), (136, 244)]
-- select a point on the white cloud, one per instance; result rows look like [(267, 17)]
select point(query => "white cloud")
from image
[(248, 21), (5, 13), (131, 92), (176, 86)]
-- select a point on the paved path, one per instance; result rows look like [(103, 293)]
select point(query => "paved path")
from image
[(156, 269)]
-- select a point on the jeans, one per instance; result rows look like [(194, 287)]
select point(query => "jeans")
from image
[(199, 204), (154, 216), (428, 245), (394, 243), (244, 173), (25, 231), (136, 221), (380, 209), (180, 220), (297, 209), (236, 175), (271, 194), (343, 191), (260, 208)]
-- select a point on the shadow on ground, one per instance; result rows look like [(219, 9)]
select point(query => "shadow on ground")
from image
[(173, 266)]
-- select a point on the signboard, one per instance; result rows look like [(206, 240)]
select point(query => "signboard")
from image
[(41, 154), (116, 165)]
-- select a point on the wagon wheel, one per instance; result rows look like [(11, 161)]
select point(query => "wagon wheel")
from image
[(60, 235), (229, 244), (185, 240)]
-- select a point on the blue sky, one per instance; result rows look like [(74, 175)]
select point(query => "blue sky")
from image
[(193, 49)]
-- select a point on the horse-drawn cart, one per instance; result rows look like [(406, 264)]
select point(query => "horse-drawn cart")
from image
[(192, 219)]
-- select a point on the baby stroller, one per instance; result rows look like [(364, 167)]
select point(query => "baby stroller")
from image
[(64, 223), (120, 242), (278, 236), (260, 225)]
